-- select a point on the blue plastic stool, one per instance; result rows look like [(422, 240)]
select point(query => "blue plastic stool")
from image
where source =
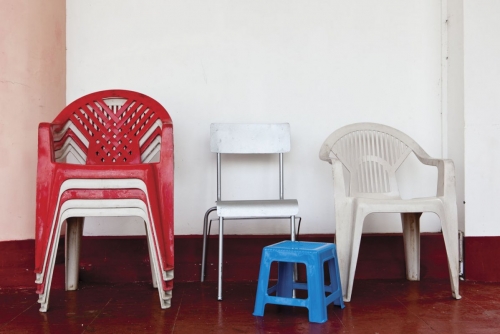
[(313, 255)]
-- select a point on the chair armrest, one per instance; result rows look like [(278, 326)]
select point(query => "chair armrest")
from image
[(446, 175), (167, 142), (45, 143), (446, 179), (45, 172), (165, 167), (165, 182)]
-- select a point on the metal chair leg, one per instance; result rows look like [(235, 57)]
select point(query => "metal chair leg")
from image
[(221, 236), (205, 234), (292, 237)]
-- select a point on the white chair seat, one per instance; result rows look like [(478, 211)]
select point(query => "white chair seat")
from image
[(258, 208), (424, 204)]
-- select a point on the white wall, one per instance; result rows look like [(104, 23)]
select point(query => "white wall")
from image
[(482, 116), (318, 65), (455, 99)]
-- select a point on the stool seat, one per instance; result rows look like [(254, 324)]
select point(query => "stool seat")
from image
[(319, 295)]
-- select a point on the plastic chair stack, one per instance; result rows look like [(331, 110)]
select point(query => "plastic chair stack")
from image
[(319, 295), (111, 138)]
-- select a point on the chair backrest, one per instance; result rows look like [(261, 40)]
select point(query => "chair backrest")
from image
[(249, 138), (110, 127), (241, 138), (371, 153)]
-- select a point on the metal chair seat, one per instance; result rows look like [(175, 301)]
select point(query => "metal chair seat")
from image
[(258, 208)]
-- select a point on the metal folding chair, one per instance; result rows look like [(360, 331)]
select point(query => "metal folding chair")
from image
[(248, 139)]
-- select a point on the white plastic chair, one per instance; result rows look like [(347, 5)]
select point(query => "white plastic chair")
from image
[(248, 139), (372, 153)]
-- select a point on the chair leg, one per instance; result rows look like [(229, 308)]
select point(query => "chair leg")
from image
[(165, 296), (293, 238), (411, 238), (343, 241), (449, 224), (153, 273), (292, 228), (335, 287), (44, 296), (221, 237), (205, 235), (73, 237), (357, 230)]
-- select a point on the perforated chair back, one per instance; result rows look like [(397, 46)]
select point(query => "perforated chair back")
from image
[(372, 153), (109, 128)]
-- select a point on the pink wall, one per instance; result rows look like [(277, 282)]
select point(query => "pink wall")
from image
[(32, 89)]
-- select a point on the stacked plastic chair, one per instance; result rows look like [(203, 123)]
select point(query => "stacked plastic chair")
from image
[(122, 148)]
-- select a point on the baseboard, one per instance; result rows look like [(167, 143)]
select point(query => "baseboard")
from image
[(125, 259), (481, 258)]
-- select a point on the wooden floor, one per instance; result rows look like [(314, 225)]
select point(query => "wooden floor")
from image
[(377, 306)]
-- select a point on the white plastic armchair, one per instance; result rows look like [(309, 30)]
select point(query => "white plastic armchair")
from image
[(372, 153)]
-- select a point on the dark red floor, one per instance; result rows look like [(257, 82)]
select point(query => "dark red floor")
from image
[(377, 306)]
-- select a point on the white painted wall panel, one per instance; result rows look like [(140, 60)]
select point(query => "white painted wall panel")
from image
[(317, 65), (482, 116)]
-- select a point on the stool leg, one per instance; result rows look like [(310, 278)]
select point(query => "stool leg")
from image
[(316, 292), (285, 279), (260, 299)]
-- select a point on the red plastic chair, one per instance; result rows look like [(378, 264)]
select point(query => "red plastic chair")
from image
[(113, 136)]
